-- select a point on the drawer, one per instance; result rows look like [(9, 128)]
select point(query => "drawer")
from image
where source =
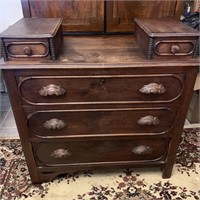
[(27, 49), (168, 47), (55, 90), (90, 152), (101, 122), (32, 39), (166, 38)]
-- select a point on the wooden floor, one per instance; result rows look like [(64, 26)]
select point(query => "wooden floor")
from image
[(8, 127)]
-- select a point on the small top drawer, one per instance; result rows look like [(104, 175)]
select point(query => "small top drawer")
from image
[(32, 39), (168, 47), (26, 49), (166, 38), (55, 90)]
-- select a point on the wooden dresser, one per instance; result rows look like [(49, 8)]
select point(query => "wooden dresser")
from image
[(102, 104)]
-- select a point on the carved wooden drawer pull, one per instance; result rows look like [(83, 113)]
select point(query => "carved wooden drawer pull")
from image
[(153, 88), (142, 150), (54, 124), (61, 153), (52, 89), (148, 120)]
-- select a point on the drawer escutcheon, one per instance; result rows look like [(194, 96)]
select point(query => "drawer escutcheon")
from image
[(148, 120), (51, 90), (153, 88), (54, 124), (61, 153)]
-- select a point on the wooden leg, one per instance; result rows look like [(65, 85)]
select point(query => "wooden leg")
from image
[(167, 171)]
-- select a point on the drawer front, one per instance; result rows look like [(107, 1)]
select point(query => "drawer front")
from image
[(25, 50), (86, 152), (174, 47), (41, 90), (102, 122)]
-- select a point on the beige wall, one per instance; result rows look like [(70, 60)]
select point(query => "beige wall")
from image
[(10, 12)]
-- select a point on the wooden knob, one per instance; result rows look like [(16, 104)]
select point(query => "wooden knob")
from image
[(175, 49), (28, 51)]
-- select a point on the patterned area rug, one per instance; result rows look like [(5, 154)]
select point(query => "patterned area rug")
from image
[(127, 184)]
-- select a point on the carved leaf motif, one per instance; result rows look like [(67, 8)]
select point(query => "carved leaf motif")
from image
[(54, 124), (52, 89), (142, 149), (61, 153), (153, 88), (148, 120)]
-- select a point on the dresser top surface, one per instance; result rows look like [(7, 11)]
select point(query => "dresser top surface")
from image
[(33, 28), (101, 52), (166, 27)]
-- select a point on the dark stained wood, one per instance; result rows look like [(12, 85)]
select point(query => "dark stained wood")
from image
[(32, 39), (121, 14), (101, 95), (33, 28), (166, 38), (144, 121), (142, 131), (166, 27), (180, 8), (79, 152), (26, 8), (103, 16), (78, 15), (20, 120), (100, 89), (86, 52), (174, 144)]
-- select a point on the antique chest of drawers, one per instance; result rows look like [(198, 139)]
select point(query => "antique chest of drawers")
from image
[(166, 38), (32, 39), (102, 104)]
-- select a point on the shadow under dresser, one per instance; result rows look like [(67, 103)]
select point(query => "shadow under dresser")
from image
[(102, 104)]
